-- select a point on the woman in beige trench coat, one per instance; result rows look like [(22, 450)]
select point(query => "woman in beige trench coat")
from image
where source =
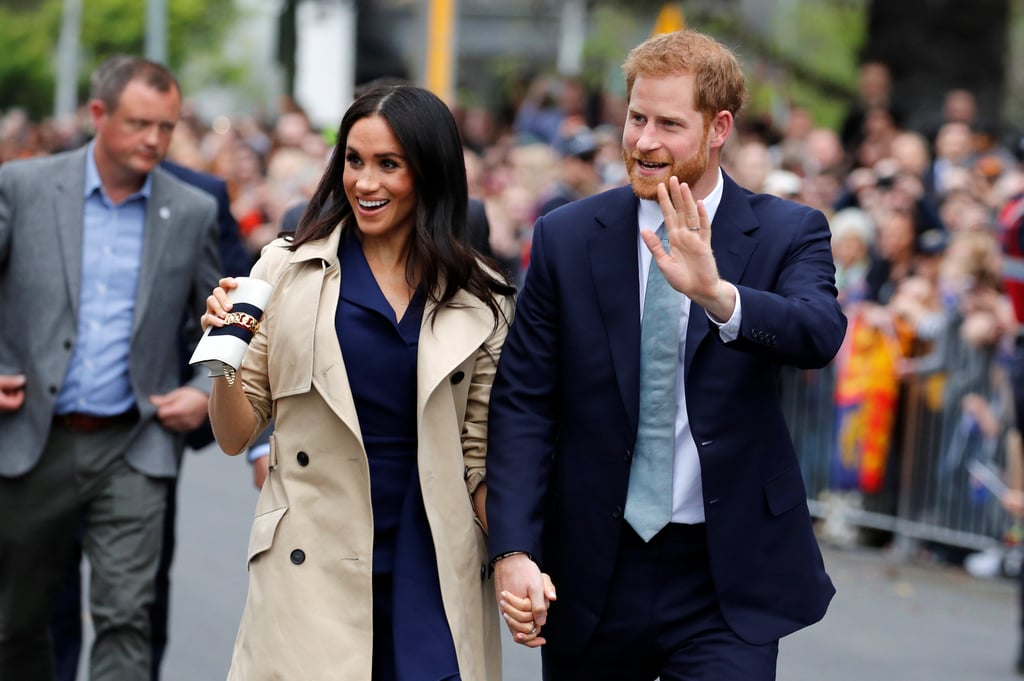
[(377, 271)]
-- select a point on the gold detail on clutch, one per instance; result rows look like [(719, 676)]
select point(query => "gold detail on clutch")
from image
[(243, 320)]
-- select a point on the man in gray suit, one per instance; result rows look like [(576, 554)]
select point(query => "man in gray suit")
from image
[(102, 254)]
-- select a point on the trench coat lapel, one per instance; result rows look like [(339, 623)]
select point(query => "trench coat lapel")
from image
[(448, 336), (314, 308)]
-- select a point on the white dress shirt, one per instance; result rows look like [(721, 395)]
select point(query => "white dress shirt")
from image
[(687, 495)]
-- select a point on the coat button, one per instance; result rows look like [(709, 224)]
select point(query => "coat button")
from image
[(53, 390), (628, 456), (68, 344), (298, 556), (483, 573), (457, 377), (302, 458), (617, 513)]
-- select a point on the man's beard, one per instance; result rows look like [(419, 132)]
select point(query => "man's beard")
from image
[(687, 170)]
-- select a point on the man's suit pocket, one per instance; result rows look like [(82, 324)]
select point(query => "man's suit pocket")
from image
[(785, 491)]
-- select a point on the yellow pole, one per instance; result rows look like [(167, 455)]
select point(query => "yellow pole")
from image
[(670, 19), (440, 48)]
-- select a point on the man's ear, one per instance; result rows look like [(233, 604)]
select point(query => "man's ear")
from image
[(721, 126), (97, 110)]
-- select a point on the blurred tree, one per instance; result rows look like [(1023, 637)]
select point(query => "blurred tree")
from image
[(287, 42), (29, 30), (806, 51), (794, 51), (29, 36), (377, 55), (933, 46)]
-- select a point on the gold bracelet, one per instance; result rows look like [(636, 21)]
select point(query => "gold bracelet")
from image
[(243, 320)]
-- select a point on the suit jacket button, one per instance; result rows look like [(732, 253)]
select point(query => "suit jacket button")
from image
[(302, 458), (627, 456), (457, 377), (53, 390), (483, 573), (617, 513), (68, 344), (298, 556)]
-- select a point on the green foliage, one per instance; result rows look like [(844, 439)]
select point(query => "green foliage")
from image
[(613, 32), (825, 37), (806, 55), (26, 69), (29, 34)]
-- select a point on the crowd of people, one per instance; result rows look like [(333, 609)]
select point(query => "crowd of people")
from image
[(925, 235)]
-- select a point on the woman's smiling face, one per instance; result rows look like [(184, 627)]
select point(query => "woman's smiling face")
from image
[(378, 181)]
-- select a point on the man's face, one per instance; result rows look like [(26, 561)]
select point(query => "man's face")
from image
[(581, 173), (665, 135), (133, 138)]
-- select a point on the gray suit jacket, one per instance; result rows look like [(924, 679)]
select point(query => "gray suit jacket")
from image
[(41, 207)]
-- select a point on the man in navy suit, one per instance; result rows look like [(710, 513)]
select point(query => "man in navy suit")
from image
[(735, 564)]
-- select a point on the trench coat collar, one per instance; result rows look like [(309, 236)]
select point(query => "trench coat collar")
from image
[(449, 335)]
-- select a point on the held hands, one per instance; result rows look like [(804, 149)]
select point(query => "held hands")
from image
[(217, 304), (689, 266), (524, 614)]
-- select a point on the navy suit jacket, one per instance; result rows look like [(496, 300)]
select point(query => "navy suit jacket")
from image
[(233, 258), (563, 411)]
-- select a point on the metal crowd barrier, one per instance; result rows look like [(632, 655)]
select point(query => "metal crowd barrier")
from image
[(925, 490)]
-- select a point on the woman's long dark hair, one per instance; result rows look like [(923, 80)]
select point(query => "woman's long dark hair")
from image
[(430, 140)]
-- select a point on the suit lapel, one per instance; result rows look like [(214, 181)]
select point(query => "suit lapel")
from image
[(733, 246), (615, 271), (156, 236), (69, 207)]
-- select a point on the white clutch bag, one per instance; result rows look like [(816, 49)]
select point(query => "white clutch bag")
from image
[(222, 348)]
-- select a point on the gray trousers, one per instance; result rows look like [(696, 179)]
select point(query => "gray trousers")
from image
[(80, 476)]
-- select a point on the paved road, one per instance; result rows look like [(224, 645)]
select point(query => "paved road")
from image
[(889, 621)]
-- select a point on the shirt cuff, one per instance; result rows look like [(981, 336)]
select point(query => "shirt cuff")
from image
[(729, 330), (257, 452)]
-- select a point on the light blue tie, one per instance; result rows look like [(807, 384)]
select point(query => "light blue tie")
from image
[(649, 499)]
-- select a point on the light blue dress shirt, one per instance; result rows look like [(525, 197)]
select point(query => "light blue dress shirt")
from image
[(97, 381)]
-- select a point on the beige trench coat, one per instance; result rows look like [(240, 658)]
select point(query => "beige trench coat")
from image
[(308, 613)]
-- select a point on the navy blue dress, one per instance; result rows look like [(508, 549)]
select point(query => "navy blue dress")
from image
[(412, 640)]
